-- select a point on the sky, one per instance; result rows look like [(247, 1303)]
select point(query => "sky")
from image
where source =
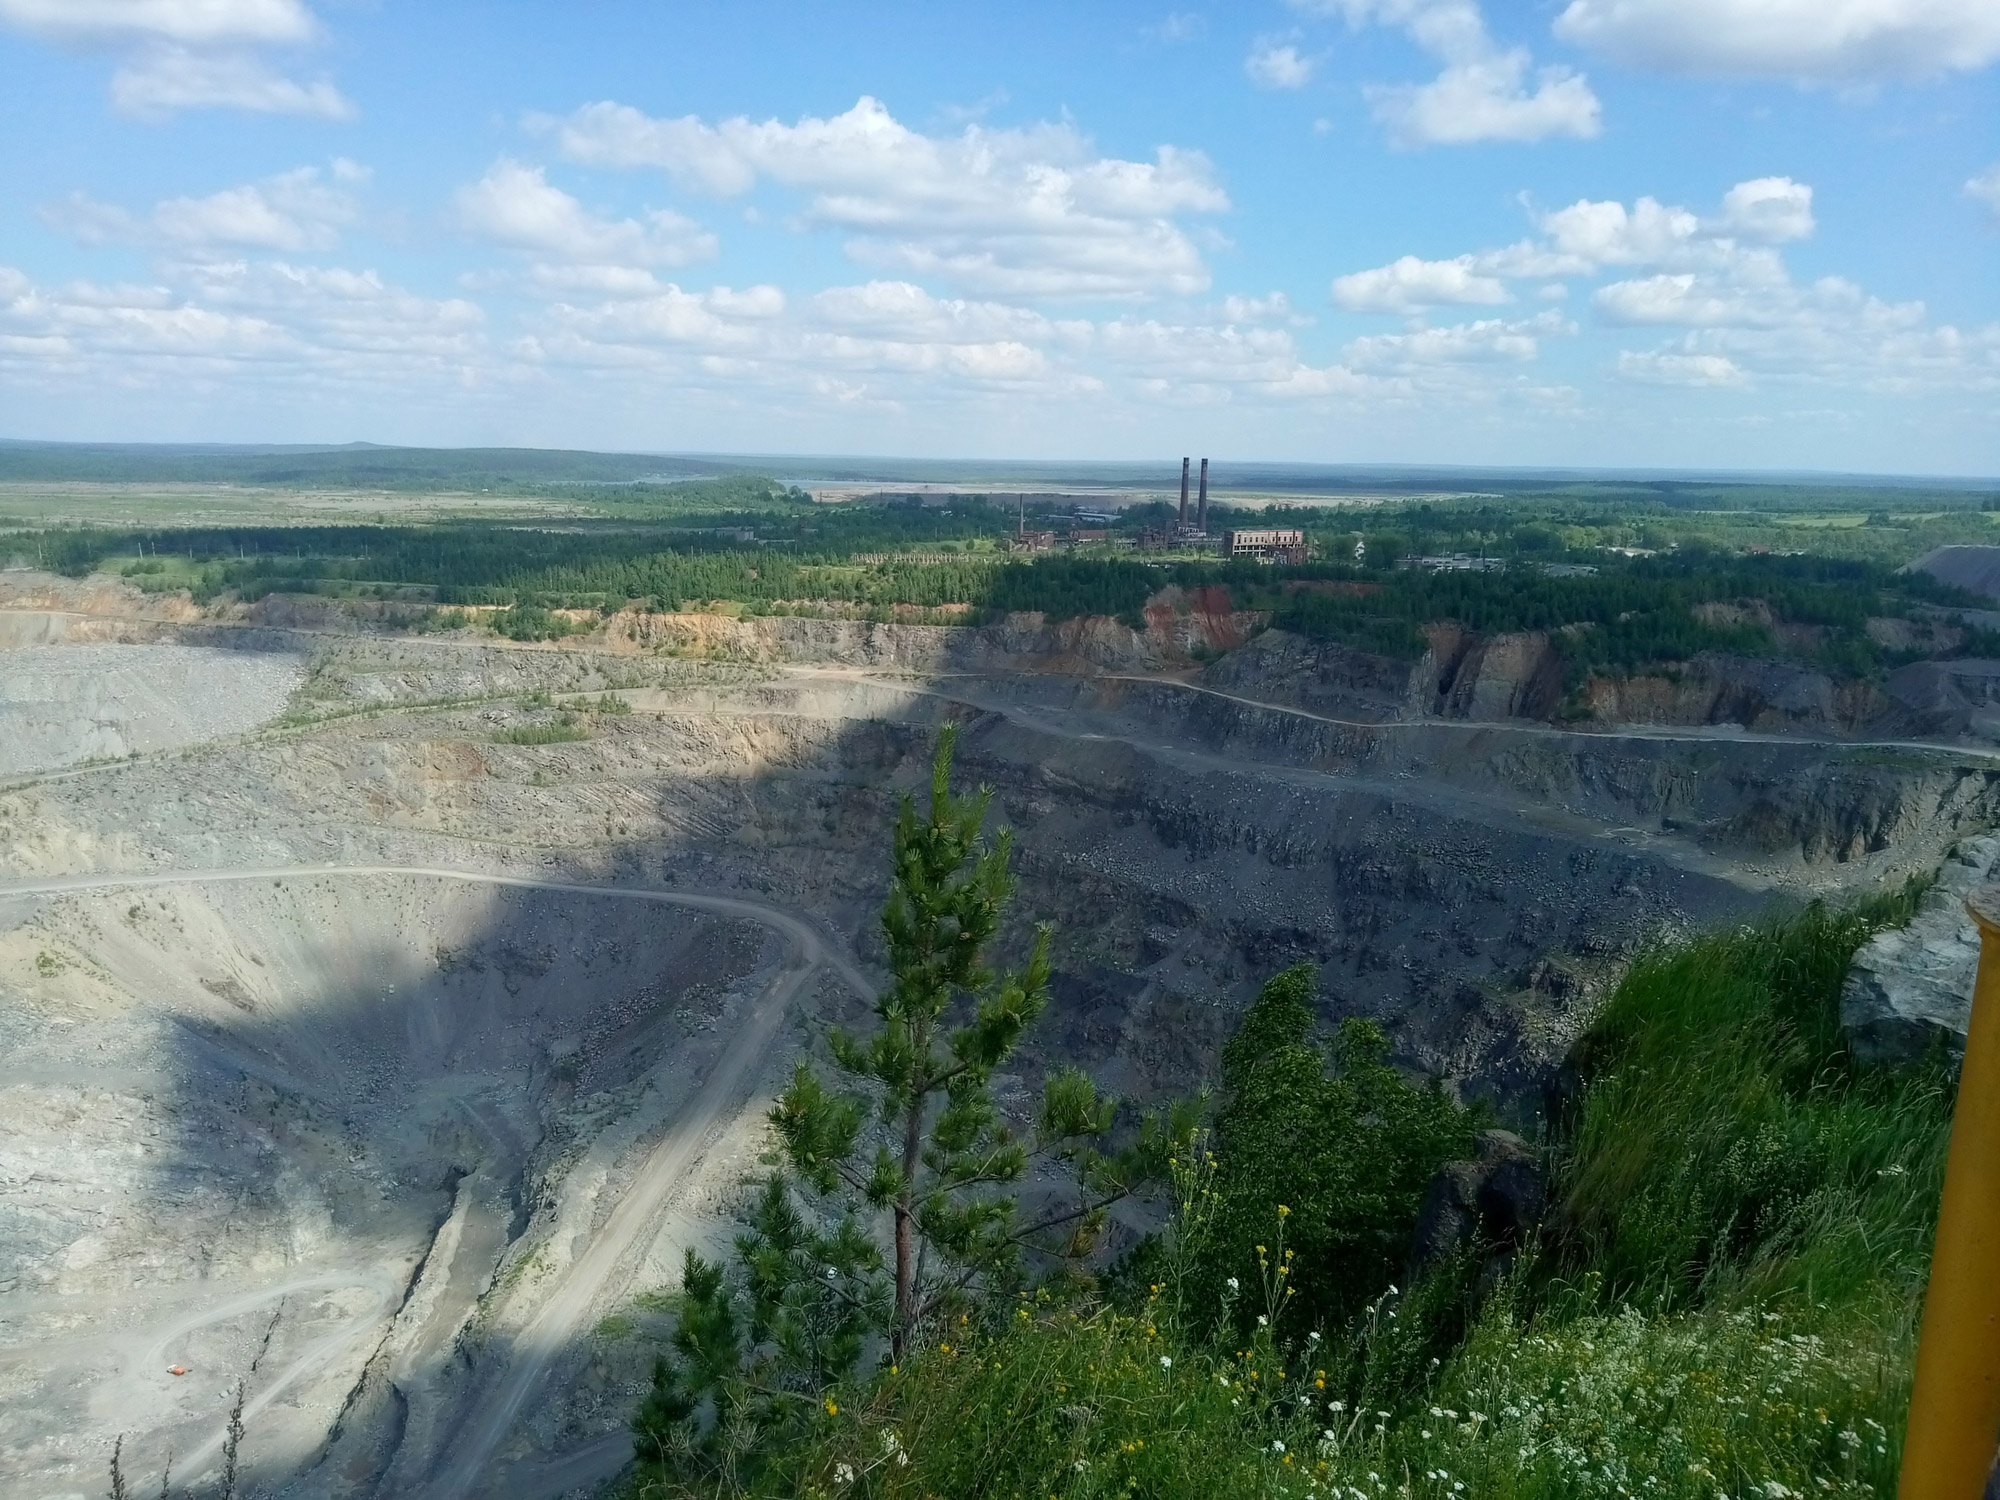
[(1665, 233)]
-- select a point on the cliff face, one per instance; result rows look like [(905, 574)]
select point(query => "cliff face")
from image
[(1467, 676), (1179, 631)]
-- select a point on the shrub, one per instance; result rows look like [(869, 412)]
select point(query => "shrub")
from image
[(561, 732), (1334, 1136)]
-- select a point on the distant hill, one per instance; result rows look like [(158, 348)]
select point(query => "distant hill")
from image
[(364, 465)]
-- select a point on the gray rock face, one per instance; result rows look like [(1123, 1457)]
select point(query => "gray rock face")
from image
[(1499, 1197), (1909, 987)]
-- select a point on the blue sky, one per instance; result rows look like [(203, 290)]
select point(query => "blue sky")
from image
[(1689, 233)]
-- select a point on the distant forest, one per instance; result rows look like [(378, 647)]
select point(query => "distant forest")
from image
[(767, 549)]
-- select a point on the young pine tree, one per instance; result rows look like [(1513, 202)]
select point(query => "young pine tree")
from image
[(760, 1349)]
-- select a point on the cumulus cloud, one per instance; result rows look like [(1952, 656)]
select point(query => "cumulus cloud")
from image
[(1772, 209), (270, 322), (1276, 308), (1486, 92), (1608, 233), (294, 211), (1027, 213), (1407, 284), (1483, 342), (187, 22), (1986, 187), (517, 206), (1660, 367), (188, 54), (1274, 66), (1719, 281), (165, 80), (1806, 40)]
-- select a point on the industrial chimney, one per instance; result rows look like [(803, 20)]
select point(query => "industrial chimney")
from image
[(1184, 480), (1201, 514)]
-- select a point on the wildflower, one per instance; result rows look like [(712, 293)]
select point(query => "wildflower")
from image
[(1277, 1446), (1283, 1213), (1336, 1406), (843, 1474), (831, 1409), (1262, 1321), (1232, 1283), (1166, 1363)]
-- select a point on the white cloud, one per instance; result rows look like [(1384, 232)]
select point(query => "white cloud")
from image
[(1610, 234), (1177, 26), (1720, 281), (1276, 308), (1808, 40), (293, 325), (1657, 367), (187, 22), (517, 206), (1483, 342), (1272, 66), (1771, 209), (188, 54), (303, 209), (1488, 99), (1986, 187), (166, 79), (1485, 93), (1406, 284), (1029, 213)]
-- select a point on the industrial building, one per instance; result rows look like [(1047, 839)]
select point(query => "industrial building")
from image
[(1271, 544)]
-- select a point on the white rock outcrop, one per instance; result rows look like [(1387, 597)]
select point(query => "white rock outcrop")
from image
[(1911, 986)]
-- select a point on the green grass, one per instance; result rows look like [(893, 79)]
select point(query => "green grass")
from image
[(1724, 1302), (1730, 1151)]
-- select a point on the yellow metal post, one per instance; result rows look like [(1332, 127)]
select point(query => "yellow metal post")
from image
[(1955, 1409)]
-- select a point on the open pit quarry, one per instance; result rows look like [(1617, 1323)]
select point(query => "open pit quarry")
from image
[(354, 1052)]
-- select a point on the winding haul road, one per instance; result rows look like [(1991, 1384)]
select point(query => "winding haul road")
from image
[(606, 1262)]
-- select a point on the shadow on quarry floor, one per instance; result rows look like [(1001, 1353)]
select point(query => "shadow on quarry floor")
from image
[(327, 1098), (341, 1099)]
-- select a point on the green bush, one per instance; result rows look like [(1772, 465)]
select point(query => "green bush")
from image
[(530, 622), (561, 732), (1330, 1138)]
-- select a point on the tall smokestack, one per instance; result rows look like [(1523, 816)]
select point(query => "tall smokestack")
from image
[(1184, 480), (1201, 515)]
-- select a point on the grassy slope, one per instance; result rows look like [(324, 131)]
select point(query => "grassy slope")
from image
[(1724, 1304)]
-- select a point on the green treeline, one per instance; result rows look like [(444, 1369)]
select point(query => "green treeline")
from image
[(1628, 614), (1632, 614)]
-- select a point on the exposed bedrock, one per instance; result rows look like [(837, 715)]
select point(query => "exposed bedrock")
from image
[(397, 1111), (1910, 989), (323, 1130)]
